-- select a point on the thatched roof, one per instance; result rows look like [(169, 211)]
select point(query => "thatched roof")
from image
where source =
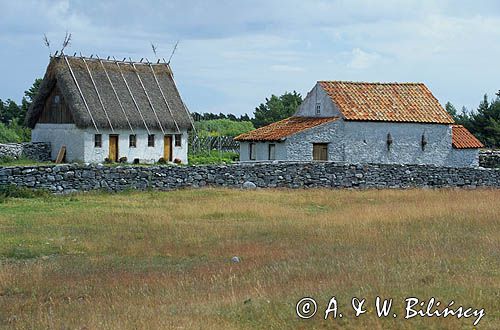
[(110, 102)]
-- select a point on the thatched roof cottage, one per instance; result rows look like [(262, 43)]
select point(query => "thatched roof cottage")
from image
[(97, 109), (357, 122)]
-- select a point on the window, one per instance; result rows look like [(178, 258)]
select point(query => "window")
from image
[(56, 103), (132, 141), (98, 141), (151, 140), (252, 151), (272, 151), (178, 140), (318, 108), (320, 151)]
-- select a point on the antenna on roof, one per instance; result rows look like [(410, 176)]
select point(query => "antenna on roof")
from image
[(66, 42), (108, 58), (74, 55), (55, 54), (124, 59), (158, 62), (91, 55), (154, 48), (147, 61), (46, 41), (173, 52), (141, 60)]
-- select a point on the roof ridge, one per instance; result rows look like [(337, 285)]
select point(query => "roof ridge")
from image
[(370, 83)]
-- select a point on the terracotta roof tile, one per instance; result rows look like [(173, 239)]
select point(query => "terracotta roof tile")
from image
[(463, 139), (283, 128), (395, 102)]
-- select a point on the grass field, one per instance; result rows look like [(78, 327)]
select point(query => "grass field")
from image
[(163, 260)]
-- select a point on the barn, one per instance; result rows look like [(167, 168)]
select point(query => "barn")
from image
[(358, 122), (92, 110)]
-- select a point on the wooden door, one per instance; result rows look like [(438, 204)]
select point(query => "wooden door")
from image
[(113, 148), (167, 147), (320, 151)]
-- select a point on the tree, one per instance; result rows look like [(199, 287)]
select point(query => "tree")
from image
[(452, 111), (485, 123), (276, 108)]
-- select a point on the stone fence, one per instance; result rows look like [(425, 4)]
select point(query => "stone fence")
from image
[(489, 158), (37, 151), (75, 177)]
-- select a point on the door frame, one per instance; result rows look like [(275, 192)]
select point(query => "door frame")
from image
[(112, 137), (168, 137)]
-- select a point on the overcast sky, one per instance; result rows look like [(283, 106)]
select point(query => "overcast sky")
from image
[(234, 54)]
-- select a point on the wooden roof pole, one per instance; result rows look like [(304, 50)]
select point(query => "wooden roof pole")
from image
[(80, 91), (98, 95), (147, 96), (116, 95), (164, 98), (133, 99)]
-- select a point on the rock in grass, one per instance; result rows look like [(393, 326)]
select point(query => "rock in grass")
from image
[(235, 260), (249, 185)]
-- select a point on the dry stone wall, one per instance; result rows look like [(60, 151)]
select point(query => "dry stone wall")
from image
[(489, 158), (77, 177), (38, 151)]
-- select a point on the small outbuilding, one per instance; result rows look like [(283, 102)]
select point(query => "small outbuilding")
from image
[(93, 110), (357, 122)]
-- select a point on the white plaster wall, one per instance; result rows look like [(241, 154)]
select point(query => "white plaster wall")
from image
[(317, 95), (80, 143), (262, 151), (366, 142), (142, 151), (299, 147), (59, 135)]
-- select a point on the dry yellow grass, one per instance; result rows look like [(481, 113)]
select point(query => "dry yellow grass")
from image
[(162, 260)]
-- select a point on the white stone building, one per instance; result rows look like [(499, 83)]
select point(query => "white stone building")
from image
[(352, 122), (99, 110)]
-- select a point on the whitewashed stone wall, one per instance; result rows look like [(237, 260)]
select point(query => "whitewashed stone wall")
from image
[(80, 143)]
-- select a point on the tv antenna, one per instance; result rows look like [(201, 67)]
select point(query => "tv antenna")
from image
[(66, 42), (173, 52), (46, 41), (154, 48)]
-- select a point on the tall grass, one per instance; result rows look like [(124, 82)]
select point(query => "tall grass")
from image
[(162, 260)]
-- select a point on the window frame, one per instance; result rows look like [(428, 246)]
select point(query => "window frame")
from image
[(132, 141), (273, 147), (97, 140), (151, 140), (318, 108), (252, 150), (178, 140)]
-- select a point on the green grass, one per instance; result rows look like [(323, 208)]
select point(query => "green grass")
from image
[(162, 259)]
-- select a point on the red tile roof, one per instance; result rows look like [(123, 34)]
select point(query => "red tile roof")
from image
[(283, 128), (463, 139), (395, 102)]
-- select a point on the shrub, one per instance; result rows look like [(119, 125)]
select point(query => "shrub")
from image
[(177, 161), (107, 160), (213, 158), (13, 191), (162, 161)]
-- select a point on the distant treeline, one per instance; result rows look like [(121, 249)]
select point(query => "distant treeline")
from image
[(484, 122)]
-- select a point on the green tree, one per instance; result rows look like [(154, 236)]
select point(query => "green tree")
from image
[(485, 122), (276, 108), (223, 127), (452, 111)]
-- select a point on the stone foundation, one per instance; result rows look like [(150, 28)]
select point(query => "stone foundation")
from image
[(489, 158)]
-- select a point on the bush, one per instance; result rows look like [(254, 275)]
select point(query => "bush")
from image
[(222, 127), (13, 191), (162, 161), (213, 158)]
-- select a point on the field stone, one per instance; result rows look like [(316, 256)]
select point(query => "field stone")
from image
[(249, 185), (235, 260)]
